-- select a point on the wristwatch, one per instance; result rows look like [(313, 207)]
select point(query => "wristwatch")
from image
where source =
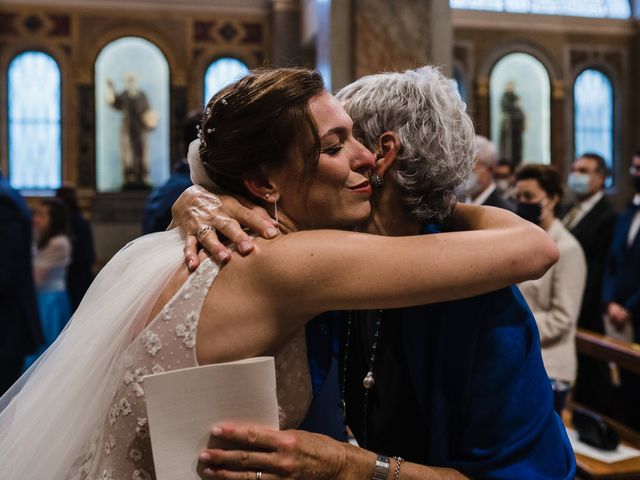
[(381, 468)]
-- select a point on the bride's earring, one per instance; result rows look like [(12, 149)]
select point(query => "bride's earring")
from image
[(275, 207)]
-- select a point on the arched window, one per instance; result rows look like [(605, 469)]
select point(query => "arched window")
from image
[(520, 102), (593, 114), (578, 8), (35, 147), (221, 73), (132, 115)]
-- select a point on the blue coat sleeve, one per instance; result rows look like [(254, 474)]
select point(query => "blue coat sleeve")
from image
[(511, 430)]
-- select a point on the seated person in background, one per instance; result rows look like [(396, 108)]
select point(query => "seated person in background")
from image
[(590, 218), (554, 298), (475, 396), (83, 254), (52, 256), (481, 188), (21, 330), (157, 212)]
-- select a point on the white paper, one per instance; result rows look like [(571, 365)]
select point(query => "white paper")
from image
[(622, 452), (183, 405), (624, 335)]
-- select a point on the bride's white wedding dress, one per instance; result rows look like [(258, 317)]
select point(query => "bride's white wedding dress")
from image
[(79, 412)]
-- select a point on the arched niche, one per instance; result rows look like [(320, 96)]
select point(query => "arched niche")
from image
[(520, 108), (34, 121), (135, 119)]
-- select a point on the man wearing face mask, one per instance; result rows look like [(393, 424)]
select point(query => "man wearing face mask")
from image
[(481, 189), (590, 218), (554, 298), (621, 288)]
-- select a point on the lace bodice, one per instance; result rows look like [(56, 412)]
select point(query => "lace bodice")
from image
[(122, 448)]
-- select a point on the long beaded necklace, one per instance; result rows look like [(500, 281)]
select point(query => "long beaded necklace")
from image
[(369, 380)]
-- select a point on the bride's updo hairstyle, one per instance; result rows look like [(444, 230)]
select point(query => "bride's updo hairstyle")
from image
[(259, 122)]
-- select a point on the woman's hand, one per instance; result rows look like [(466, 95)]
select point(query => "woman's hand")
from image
[(295, 454), (197, 208), (277, 454)]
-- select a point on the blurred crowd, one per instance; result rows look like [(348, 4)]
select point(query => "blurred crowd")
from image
[(595, 285)]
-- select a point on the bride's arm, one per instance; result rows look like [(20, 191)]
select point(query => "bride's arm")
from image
[(333, 270)]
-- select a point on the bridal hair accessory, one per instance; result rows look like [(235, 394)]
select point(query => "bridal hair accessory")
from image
[(203, 231), (198, 173), (376, 181)]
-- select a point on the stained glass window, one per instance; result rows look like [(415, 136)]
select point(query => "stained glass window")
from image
[(593, 114), (221, 73), (35, 148), (579, 8)]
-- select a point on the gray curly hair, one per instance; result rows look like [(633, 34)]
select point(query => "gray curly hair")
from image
[(437, 138)]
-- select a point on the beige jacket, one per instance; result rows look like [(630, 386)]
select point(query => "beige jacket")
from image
[(555, 300)]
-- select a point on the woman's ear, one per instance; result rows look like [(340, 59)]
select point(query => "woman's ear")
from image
[(259, 185), (387, 151)]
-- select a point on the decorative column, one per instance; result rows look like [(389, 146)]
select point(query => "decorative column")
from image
[(558, 141), (286, 35), (391, 35), (482, 115)]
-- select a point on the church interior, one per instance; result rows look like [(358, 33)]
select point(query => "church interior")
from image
[(98, 95)]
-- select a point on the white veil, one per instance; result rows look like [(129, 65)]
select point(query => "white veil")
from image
[(198, 173), (48, 417)]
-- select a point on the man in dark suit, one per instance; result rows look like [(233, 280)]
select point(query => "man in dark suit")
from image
[(481, 188), (621, 289), (21, 332), (591, 219)]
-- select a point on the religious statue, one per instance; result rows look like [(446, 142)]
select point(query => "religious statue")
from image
[(137, 120), (512, 126)]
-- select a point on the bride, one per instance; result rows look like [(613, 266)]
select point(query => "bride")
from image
[(278, 137)]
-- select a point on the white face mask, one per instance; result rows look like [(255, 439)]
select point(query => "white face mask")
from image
[(471, 186), (578, 183), (503, 184)]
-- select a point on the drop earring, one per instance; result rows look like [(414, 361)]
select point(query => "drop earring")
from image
[(275, 208)]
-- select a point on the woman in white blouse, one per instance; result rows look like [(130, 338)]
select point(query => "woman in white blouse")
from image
[(555, 298), (52, 255)]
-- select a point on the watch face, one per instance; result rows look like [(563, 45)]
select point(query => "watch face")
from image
[(381, 469)]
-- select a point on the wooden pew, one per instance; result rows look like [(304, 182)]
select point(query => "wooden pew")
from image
[(627, 356)]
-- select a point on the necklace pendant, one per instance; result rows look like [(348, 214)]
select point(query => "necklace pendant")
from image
[(369, 382)]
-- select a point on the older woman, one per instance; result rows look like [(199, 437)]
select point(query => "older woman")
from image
[(467, 389), (555, 298)]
